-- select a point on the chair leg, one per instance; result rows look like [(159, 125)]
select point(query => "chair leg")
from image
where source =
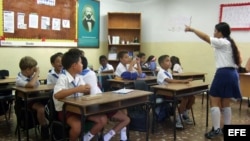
[(202, 98), (240, 104), (248, 102), (3, 108), (193, 115)]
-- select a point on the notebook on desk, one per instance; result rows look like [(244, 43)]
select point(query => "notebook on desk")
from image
[(123, 91)]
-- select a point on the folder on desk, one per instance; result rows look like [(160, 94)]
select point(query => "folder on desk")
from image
[(90, 97), (123, 91)]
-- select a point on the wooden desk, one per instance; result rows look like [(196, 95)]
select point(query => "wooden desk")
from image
[(186, 75), (7, 80), (245, 84), (122, 83), (176, 90), (102, 80), (109, 101), (28, 94), (7, 83)]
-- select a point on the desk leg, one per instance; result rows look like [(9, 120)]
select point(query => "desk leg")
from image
[(207, 108), (147, 120), (83, 119), (18, 118), (174, 107), (64, 122), (153, 112), (26, 117)]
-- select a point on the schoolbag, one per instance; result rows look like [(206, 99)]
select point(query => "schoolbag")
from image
[(50, 112), (163, 111), (129, 75)]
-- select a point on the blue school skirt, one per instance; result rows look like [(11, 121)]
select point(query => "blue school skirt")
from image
[(226, 84)]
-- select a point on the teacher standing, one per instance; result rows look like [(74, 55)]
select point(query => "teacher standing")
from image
[(225, 84)]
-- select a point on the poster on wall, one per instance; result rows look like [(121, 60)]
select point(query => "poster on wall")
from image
[(38, 23), (236, 15), (88, 23)]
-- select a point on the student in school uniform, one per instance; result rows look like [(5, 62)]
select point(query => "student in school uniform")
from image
[(165, 77), (188, 101), (176, 65), (71, 84), (105, 66), (225, 84), (142, 57), (90, 78), (28, 78), (125, 68), (56, 62)]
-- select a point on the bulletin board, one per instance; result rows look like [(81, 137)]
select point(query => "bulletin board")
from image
[(236, 15), (38, 23)]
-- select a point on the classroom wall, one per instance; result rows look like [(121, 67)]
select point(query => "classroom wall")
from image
[(157, 35)]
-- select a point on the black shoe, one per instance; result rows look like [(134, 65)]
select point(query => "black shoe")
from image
[(213, 133), (222, 130), (45, 132)]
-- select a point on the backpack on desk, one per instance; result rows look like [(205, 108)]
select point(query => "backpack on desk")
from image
[(129, 75)]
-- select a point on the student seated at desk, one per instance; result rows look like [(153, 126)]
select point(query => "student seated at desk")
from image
[(56, 62), (105, 66), (89, 77), (71, 84), (125, 68), (142, 57), (177, 68), (150, 64), (165, 77), (176, 65), (28, 78)]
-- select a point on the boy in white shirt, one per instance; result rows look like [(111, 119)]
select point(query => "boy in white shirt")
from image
[(125, 68), (28, 78), (165, 77), (56, 62), (90, 78), (105, 66), (71, 84)]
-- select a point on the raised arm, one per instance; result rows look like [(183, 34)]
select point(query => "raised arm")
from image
[(200, 34)]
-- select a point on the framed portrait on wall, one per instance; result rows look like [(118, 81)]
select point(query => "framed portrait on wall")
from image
[(88, 23)]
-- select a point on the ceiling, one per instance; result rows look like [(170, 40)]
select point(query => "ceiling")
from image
[(133, 0)]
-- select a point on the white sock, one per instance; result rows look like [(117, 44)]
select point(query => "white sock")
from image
[(227, 115), (185, 113), (215, 113), (178, 119), (124, 133), (109, 135), (88, 136)]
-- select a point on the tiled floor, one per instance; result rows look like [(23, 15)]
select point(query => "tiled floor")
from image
[(164, 131)]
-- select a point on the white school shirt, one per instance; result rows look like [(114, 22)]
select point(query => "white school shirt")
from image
[(107, 68), (223, 52), (52, 77), (162, 75), (91, 79), (65, 82), (121, 69), (22, 80), (177, 68)]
